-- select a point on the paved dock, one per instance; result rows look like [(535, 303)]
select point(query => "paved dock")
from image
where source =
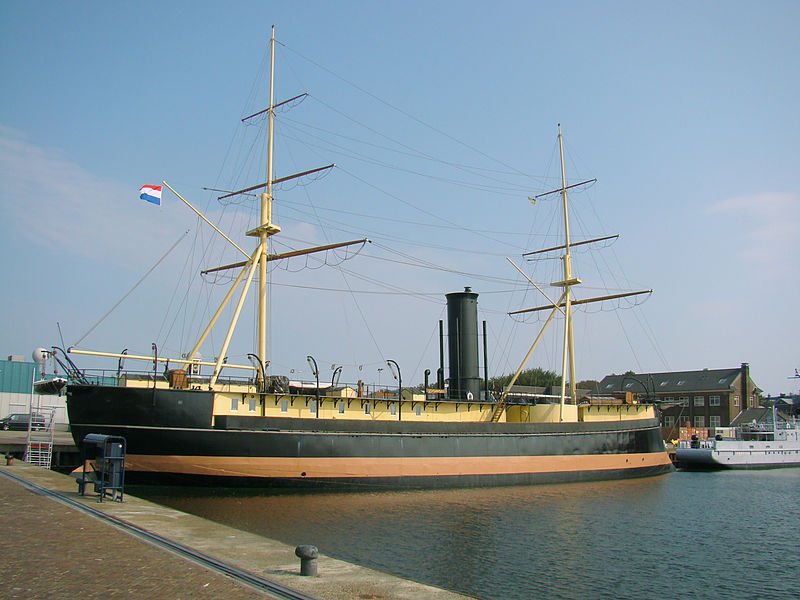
[(55, 549)]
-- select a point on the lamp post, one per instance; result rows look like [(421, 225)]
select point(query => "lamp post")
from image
[(313, 364), (262, 374), (335, 377), (155, 361), (395, 368)]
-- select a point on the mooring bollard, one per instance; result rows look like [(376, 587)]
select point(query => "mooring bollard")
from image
[(308, 559), (9, 459)]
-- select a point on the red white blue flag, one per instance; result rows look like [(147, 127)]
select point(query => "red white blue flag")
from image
[(151, 193)]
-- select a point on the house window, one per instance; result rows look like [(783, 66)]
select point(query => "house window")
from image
[(669, 420), (366, 408), (683, 400), (313, 407), (681, 382), (663, 383), (392, 409), (722, 380), (234, 404), (341, 408), (715, 421), (669, 399), (251, 405), (736, 400), (699, 401), (699, 421), (284, 406), (419, 409), (713, 400)]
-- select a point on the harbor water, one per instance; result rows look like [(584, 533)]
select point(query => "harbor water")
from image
[(732, 534)]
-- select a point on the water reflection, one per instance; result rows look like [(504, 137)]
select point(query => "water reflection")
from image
[(645, 537)]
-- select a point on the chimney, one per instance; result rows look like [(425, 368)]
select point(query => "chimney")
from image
[(745, 377)]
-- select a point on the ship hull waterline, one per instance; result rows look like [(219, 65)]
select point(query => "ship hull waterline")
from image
[(166, 443)]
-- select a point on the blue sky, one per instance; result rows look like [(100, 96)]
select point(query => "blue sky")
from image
[(441, 118)]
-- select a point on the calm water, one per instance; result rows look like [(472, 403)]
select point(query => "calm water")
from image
[(705, 535)]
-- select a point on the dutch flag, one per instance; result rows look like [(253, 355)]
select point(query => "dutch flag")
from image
[(151, 193)]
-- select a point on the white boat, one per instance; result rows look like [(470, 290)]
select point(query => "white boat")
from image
[(755, 445)]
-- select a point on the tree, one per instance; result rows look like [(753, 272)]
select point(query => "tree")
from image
[(533, 377)]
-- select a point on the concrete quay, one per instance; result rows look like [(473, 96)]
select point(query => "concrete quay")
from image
[(60, 544)]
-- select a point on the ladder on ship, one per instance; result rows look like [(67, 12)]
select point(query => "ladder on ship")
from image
[(39, 447)]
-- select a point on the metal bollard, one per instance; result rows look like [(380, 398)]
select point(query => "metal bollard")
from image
[(308, 559)]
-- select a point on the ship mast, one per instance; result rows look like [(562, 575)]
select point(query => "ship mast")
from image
[(568, 358), (267, 228), (565, 302), (255, 262)]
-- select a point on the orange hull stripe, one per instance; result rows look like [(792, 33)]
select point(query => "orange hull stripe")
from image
[(388, 467)]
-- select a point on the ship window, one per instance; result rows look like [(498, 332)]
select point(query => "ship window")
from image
[(341, 408), (284, 406), (699, 401), (366, 408), (419, 409), (313, 407), (713, 400), (392, 409), (699, 421), (251, 405), (234, 404)]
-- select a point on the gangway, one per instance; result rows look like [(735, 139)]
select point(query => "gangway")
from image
[(39, 445)]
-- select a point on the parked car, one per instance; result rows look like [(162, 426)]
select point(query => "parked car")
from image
[(20, 421)]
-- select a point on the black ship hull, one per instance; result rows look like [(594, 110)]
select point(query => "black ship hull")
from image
[(170, 439)]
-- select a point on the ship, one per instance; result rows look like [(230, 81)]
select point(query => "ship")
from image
[(183, 424), (755, 443)]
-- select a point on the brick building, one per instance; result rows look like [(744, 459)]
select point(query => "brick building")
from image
[(700, 399)]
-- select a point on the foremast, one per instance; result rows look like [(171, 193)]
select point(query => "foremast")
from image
[(255, 262)]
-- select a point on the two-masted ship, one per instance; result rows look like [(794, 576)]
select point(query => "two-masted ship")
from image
[(188, 425)]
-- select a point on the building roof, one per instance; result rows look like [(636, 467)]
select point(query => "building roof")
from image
[(758, 415), (705, 380)]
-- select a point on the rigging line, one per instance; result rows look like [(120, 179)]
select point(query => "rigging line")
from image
[(401, 111), (121, 300), (428, 265), (374, 234), (394, 220), (186, 268), (379, 293), (500, 191), (630, 344), (416, 154), (422, 210)]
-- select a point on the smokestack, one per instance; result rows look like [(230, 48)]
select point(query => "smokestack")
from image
[(462, 337)]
